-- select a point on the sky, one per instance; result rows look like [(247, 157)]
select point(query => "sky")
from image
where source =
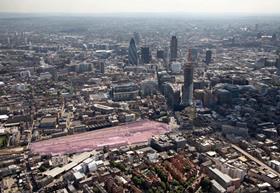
[(123, 6)]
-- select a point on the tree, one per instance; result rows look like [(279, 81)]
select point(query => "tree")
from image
[(179, 189), (175, 183), (163, 185), (161, 174), (187, 168), (138, 181), (206, 185), (42, 168), (151, 191)]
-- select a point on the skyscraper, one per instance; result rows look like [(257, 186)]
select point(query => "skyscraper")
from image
[(136, 37), (173, 48), (274, 37), (132, 53), (160, 54), (187, 98), (194, 54), (145, 55), (102, 67), (277, 64), (208, 57)]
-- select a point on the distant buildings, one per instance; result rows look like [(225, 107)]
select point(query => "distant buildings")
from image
[(208, 57), (124, 92), (132, 53), (173, 48), (160, 54), (145, 55), (172, 93), (175, 67), (223, 96)]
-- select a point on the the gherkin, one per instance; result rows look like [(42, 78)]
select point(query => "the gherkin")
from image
[(132, 53)]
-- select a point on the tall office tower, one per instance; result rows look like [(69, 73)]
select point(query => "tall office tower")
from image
[(173, 48), (277, 64), (9, 41), (274, 37), (208, 57), (187, 98), (136, 37), (257, 27), (102, 67), (194, 54), (166, 53), (132, 53), (160, 54), (145, 55)]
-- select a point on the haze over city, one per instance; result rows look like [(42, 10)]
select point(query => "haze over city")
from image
[(117, 6)]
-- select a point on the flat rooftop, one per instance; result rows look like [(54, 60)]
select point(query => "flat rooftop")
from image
[(128, 134)]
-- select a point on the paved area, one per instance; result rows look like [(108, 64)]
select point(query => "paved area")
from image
[(131, 133)]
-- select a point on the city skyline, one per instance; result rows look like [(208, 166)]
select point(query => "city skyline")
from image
[(125, 6), (138, 96)]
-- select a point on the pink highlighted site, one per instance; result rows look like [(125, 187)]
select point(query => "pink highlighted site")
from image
[(128, 134)]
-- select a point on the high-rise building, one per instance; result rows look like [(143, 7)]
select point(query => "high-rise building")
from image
[(257, 27), (188, 85), (132, 53), (136, 37), (277, 64), (145, 55), (167, 53), (194, 54), (102, 67), (9, 41), (274, 37), (208, 57), (187, 98), (160, 54), (173, 48)]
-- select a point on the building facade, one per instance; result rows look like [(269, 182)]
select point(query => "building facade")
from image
[(132, 53)]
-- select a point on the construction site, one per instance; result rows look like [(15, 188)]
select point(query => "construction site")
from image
[(128, 134)]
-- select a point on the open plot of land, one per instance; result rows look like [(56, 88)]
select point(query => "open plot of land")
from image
[(132, 133)]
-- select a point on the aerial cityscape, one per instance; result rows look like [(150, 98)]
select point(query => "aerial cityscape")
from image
[(139, 102)]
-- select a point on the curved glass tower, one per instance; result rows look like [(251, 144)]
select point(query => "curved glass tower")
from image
[(132, 53)]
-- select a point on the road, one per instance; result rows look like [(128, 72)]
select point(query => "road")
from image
[(74, 162), (255, 160)]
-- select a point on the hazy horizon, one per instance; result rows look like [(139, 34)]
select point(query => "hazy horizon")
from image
[(141, 6)]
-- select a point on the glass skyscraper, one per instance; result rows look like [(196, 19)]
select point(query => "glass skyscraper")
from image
[(132, 53)]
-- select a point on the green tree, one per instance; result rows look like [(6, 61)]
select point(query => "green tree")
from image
[(206, 185), (187, 168), (163, 185), (175, 183)]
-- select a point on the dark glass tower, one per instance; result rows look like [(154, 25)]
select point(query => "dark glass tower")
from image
[(160, 54), (187, 98), (173, 48), (208, 57), (145, 55)]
